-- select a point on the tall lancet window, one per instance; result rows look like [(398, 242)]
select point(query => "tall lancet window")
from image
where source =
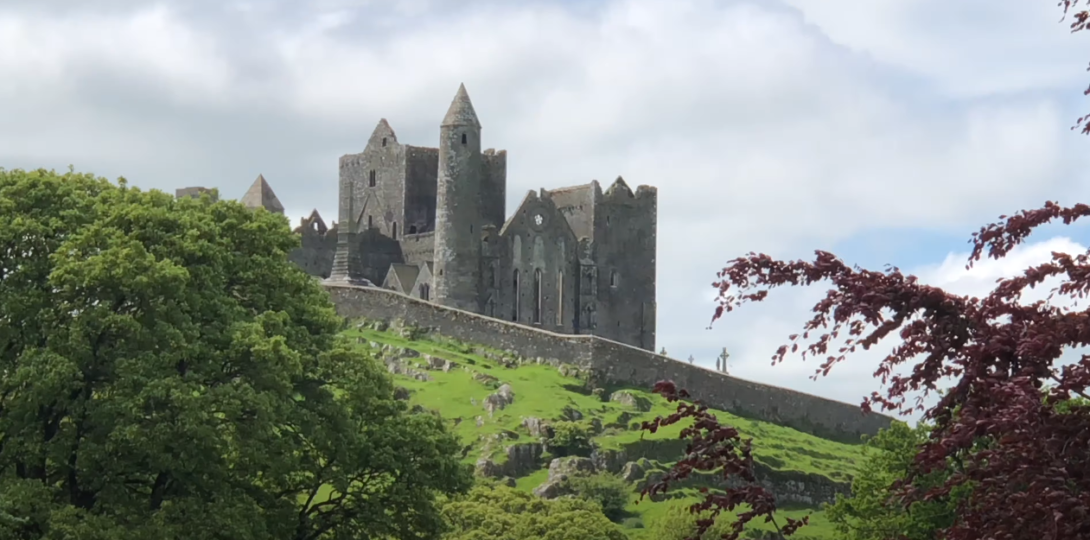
[(560, 298), (537, 296)]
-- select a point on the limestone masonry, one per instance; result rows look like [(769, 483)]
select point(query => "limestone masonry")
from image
[(432, 223)]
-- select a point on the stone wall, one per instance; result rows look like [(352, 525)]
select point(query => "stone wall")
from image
[(619, 364)]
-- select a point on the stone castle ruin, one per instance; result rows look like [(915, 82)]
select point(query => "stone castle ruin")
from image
[(432, 223), (423, 235)]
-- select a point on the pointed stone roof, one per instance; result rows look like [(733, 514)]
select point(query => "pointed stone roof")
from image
[(461, 111), (260, 195), (406, 275)]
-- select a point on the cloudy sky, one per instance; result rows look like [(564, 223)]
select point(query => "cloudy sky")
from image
[(885, 132)]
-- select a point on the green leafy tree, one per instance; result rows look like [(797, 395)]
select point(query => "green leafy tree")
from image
[(679, 523), (166, 372), (874, 510), (502, 513), (607, 490)]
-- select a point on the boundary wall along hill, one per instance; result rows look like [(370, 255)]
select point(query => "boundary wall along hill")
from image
[(616, 363)]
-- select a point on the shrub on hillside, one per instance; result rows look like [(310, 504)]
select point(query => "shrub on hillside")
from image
[(609, 491), (569, 439)]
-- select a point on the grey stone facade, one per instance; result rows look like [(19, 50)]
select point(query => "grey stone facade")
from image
[(574, 260)]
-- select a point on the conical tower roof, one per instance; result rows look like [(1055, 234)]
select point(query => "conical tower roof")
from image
[(260, 195), (461, 111)]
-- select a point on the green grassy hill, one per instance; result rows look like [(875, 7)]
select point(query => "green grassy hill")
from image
[(456, 379)]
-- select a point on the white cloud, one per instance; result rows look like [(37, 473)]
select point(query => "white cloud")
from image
[(978, 281), (968, 48), (40, 52)]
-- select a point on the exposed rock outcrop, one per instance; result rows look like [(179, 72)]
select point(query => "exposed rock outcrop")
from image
[(632, 472), (437, 363), (522, 458), (560, 469)]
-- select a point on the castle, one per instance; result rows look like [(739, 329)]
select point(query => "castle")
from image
[(431, 223)]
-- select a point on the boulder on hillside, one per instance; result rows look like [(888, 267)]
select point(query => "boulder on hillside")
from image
[(484, 378), (569, 370), (571, 414), (622, 420), (549, 490), (595, 426), (436, 363), (629, 399), (523, 458), (562, 468), (398, 367), (488, 468), (537, 427), (609, 460), (503, 397)]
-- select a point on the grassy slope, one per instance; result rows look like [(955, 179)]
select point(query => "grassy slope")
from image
[(541, 391)]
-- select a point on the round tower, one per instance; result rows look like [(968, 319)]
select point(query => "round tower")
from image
[(457, 258)]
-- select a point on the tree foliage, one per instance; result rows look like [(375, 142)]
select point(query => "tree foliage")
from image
[(166, 372), (607, 490), (1022, 459), (716, 449), (502, 513), (874, 511)]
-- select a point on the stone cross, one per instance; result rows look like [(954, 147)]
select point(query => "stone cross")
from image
[(722, 360), (691, 359)]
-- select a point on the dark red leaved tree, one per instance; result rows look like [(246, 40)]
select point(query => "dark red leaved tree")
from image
[(1027, 462), (1080, 17)]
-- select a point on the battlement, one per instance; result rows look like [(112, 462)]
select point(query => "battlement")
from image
[(421, 151), (646, 191), (620, 193), (612, 362), (195, 193)]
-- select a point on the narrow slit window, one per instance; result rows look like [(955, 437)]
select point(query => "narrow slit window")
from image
[(515, 304)]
